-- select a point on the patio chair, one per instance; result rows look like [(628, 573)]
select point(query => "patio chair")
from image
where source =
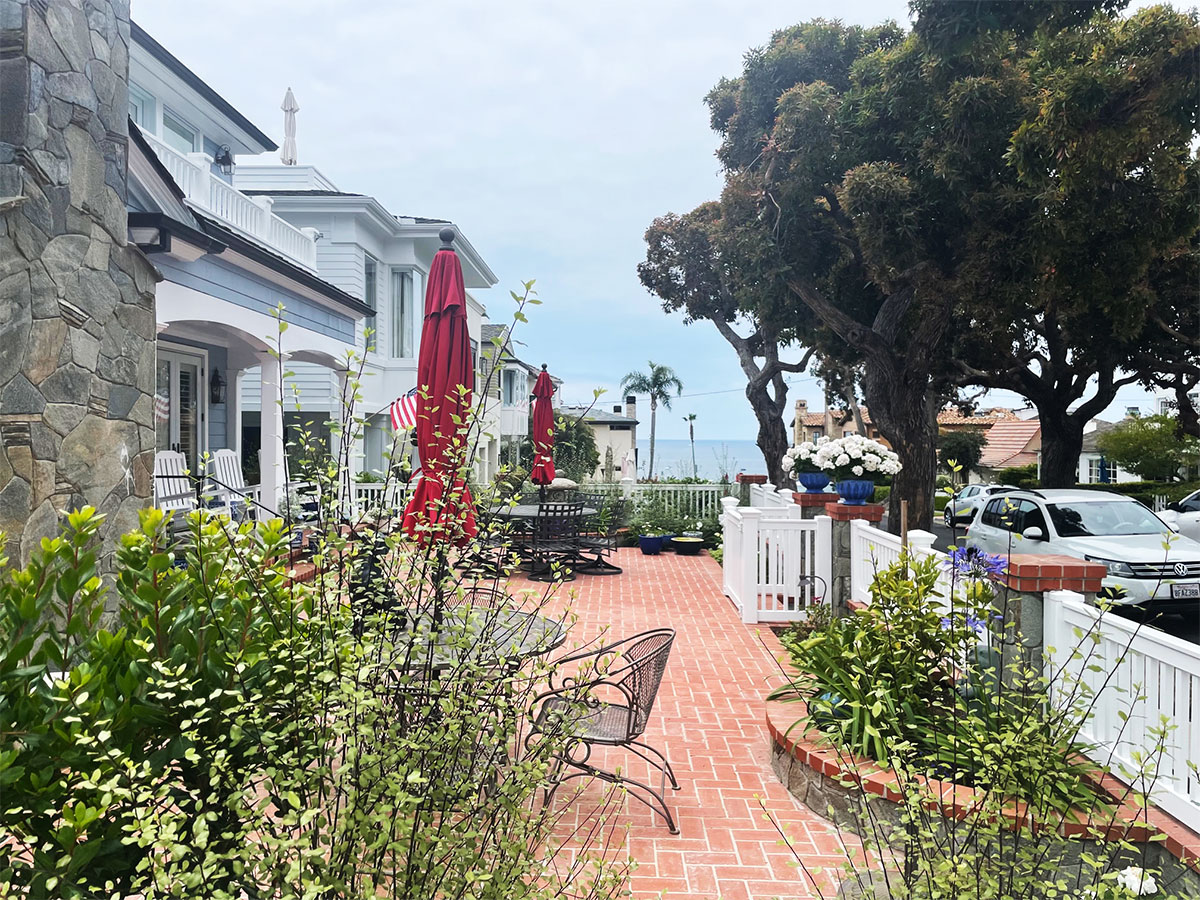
[(555, 541), (229, 485), (174, 490), (491, 552), (618, 702), (601, 538)]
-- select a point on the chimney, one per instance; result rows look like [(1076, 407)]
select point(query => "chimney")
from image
[(631, 406), (801, 408)]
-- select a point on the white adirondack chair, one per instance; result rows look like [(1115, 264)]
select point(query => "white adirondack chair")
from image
[(229, 485), (173, 489)]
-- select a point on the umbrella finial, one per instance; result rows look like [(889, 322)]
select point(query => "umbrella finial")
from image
[(447, 235), (543, 367)]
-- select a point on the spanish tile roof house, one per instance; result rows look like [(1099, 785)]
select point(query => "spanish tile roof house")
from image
[(808, 426), (1012, 442)]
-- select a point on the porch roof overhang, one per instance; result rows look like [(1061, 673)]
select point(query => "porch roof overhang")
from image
[(245, 333)]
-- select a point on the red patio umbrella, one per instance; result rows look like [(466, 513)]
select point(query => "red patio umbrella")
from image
[(441, 503), (543, 430)]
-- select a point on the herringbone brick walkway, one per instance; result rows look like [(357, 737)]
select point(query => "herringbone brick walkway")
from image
[(709, 721)]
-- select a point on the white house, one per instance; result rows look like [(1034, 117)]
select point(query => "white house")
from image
[(382, 260), (229, 264), (615, 429)]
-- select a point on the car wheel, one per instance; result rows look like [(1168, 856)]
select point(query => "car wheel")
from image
[(947, 517)]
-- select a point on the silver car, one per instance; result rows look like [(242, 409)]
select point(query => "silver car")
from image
[(962, 506), (1141, 552)]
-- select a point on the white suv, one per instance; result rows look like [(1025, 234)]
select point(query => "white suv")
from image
[(1099, 526), (966, 502)]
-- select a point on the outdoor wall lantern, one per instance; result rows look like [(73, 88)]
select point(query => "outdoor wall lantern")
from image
[(216, 387), (224, 159)]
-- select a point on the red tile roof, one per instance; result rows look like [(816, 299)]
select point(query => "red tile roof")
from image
[(945, 417), (1011, 442)]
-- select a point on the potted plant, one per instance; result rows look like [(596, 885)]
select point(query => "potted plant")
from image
[(853, 462), (688, 544), (650, 544), (801, 461)]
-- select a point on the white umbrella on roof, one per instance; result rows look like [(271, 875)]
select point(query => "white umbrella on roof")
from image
[(290, 107)]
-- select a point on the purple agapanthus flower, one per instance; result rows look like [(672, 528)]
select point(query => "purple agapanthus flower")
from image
[(971, 562), (973, 622)]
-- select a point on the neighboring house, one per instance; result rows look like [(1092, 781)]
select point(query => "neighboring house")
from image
[(382, 259), (228, 264), (836, 423), (1010, 442), (614, 427), (1093, 467), (510, 390)]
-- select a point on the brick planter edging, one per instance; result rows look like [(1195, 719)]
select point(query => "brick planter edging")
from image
[(836, 779)]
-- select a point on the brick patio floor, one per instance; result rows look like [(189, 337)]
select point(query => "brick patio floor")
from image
[(709, 721)]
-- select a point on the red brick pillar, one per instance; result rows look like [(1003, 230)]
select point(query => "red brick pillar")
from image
[(812, 505), (1021, 594)]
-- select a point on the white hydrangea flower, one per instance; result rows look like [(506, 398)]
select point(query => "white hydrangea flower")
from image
[(857, 470), (1138, 881)]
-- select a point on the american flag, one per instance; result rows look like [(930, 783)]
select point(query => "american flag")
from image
[(162, 408), (404, 411)]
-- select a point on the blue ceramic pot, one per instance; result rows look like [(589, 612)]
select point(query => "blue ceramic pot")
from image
[(650, 545), (856, 491), (814, 482), (666, 543)]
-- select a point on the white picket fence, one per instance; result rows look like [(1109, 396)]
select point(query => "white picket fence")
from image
[(872, 550), (692, 501), (371, 497), (776, 565), (1139, 677)]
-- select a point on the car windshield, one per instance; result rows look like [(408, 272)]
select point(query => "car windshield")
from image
[(1103, 517)]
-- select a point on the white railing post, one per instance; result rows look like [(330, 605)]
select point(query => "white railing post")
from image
[(921, 542), (627, 487), (784, 497), (264, 205), (201, 192), (823, 561), (748, 587)]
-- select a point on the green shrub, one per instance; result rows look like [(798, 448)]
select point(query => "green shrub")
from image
[(1023, 477)]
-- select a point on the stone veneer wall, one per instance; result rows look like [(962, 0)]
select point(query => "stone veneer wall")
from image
[(76, 300)]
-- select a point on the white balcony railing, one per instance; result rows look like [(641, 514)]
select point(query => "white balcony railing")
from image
[(251, 216)]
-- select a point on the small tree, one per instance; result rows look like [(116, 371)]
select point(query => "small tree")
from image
[(1150, 447), (963, 447)]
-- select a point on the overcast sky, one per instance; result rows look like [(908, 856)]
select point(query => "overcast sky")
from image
[(551, 132)]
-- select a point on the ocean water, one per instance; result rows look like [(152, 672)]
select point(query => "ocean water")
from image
[(673, 458)]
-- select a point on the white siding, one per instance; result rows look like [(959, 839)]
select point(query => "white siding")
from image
[(317, 386)]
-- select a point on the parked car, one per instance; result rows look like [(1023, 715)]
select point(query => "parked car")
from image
[(962, 506), (1100, 526), (1184, 515)]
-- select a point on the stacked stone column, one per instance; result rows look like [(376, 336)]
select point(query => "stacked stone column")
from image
[(77, 352)]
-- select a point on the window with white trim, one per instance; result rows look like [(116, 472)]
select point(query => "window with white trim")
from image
[(402, 314), (178, 133)]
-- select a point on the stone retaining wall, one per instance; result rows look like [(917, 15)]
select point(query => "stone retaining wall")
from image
[(77, 331)]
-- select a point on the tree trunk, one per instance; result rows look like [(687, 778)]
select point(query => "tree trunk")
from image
[(692, 439), (653, 417), (1187, 418), (1062, 443), (772, 435), (907, 416)]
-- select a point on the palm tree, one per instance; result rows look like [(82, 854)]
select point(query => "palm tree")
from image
[(658, 384), (690, 418)]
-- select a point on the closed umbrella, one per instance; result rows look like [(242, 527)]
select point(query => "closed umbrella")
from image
[(287, 153), (441, 505), (543, 430)]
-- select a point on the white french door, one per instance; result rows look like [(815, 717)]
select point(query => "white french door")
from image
[(180, 403)]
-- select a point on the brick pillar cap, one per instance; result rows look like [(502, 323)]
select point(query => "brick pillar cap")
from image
[(841, 512), (1035, 573)]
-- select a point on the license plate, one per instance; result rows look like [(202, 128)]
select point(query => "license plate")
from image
[(1185, 591)]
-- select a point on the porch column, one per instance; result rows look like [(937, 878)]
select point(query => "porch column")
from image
[(233, 411), (272, 463)]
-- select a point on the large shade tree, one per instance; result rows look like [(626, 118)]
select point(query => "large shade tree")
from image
[(659, 383), (912, 186), (694, 266)]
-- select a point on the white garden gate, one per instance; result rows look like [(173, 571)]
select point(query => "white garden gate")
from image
[(777, 566)]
